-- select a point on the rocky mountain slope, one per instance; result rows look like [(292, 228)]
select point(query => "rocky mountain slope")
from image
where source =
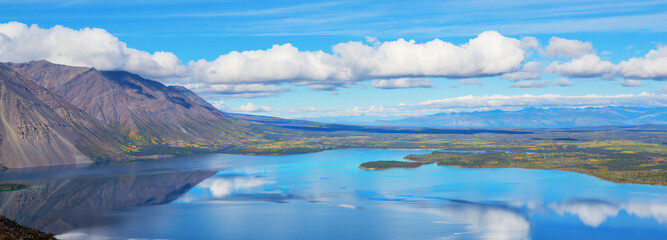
[(145, 111), (38, 128)]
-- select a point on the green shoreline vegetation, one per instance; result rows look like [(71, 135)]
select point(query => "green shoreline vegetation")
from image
[(619, 161), (382, 165), (8, 187), (626, 155), (616, 161), (12, 230)]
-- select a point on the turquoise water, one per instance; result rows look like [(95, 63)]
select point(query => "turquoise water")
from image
[(325, 196)]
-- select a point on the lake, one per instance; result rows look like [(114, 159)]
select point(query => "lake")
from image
[(325, 196)]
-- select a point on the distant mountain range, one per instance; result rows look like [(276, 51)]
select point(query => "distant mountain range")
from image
[(538, 118)]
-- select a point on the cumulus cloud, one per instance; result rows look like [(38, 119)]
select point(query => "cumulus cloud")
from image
[(238, 90), (402, 83), (585, 66), (323, 87), (530, 70), (529, 43), (490, 53), (219, 105), (651, 66), (561, 47), (393, 64), (531, 84), (472, 81), (281, 63), (631, 83), (249, 107), (562, 82), (90, 47)]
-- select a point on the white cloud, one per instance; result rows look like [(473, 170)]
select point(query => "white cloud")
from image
[(402, 83), (91, 47), (530, 70), (249, 107), (220, 105), (489, 53), (245, 88), (238, 90), (323, 87), (281, 63), (561, 47), (585, 66), (394, 64), (529, 43), (472, 81), (631, 83), (651, 66), (531, 84), (562, 82)]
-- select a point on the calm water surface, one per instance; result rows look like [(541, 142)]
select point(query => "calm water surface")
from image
[(325, 196)]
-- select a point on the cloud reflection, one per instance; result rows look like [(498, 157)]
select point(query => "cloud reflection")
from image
[(484, 221), (222, 187), (594, 212), (490, 222)]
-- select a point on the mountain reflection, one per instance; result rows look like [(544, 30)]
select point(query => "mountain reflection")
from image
[(595, 212), (59, 205)]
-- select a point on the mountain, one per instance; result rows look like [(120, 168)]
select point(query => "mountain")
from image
[(38, 128), (539, 118), (145, 111)]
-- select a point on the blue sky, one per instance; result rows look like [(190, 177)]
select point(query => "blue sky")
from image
[(615, 31)]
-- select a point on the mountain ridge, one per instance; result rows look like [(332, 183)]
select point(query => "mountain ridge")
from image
[(538, 118)]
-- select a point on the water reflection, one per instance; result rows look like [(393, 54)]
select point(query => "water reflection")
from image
[(59, 205), (595, 212), (223, 186), (481, 220), (325, 196), (488, 222)]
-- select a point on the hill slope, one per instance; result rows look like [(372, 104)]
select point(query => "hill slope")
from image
[(146, 111), (38, 128)]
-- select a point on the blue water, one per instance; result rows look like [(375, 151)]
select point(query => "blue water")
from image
[(325, 196)]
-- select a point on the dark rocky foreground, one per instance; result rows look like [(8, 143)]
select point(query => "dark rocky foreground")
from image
[(12, 230)]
